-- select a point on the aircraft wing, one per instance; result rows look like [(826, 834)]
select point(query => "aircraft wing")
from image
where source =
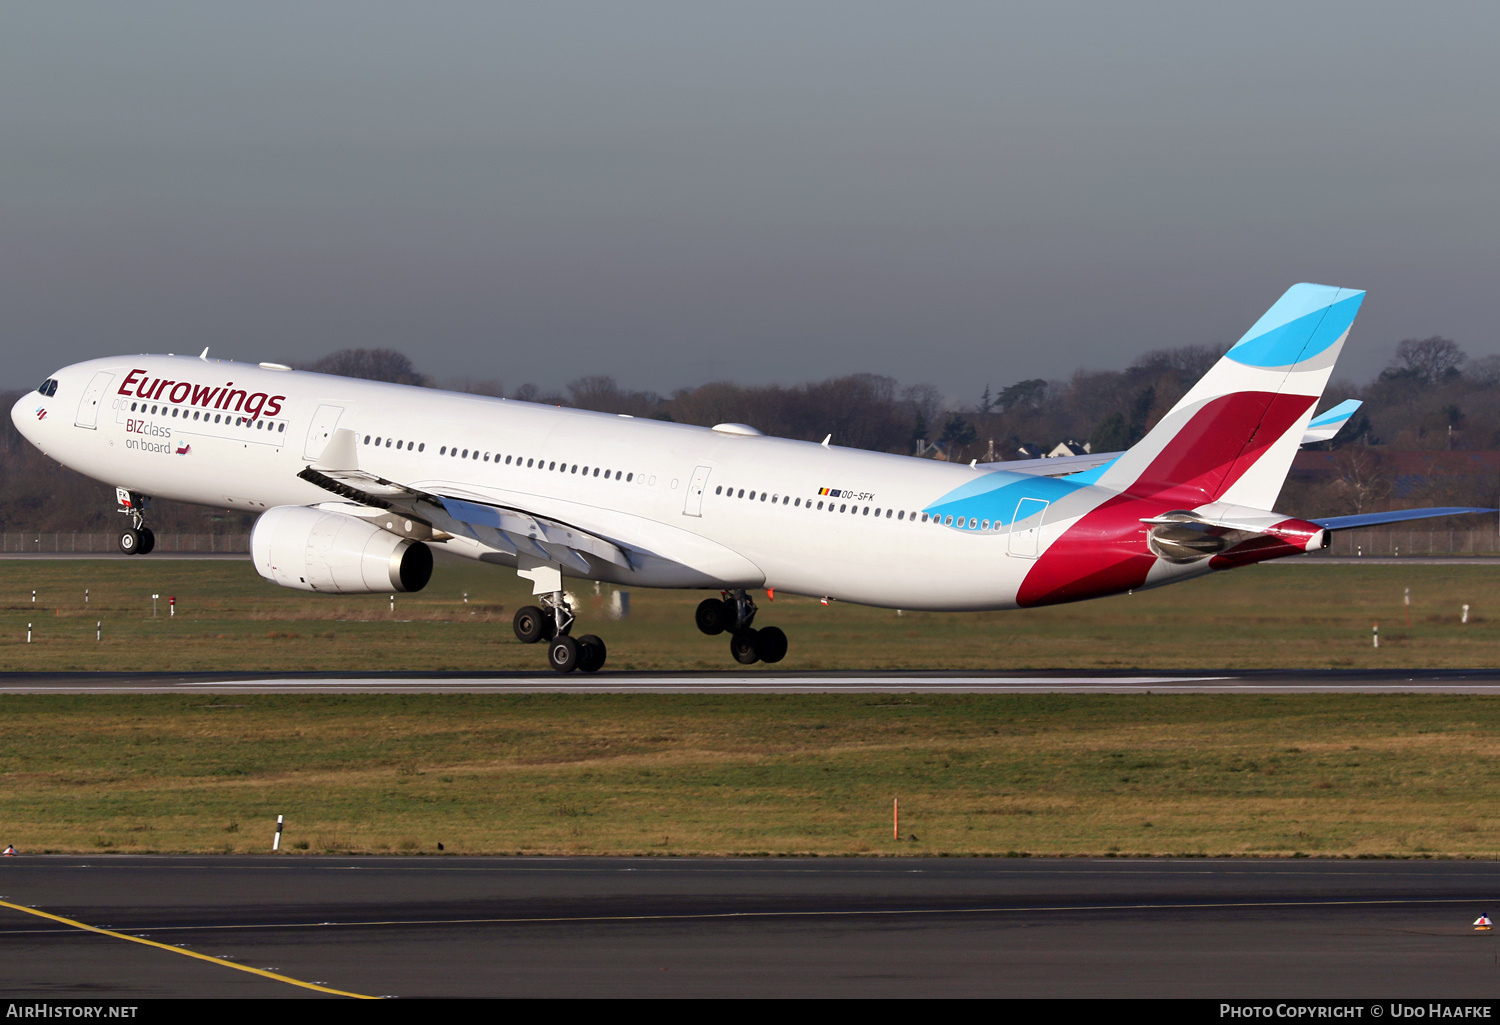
[(506, 529)]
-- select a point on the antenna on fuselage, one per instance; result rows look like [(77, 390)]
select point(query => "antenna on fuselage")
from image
[(204, 354), (827, 440)]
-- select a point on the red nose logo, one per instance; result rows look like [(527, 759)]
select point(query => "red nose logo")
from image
[(184, 450)]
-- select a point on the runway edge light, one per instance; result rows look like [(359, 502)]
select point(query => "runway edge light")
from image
[(1482, 923)]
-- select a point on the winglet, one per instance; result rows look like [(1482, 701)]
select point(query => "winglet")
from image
[(1326, 425)]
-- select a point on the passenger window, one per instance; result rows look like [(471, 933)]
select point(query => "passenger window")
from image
[(596, 471), (798, 503), (762, 496), (888, 513), (719, 490), (752, 496), (443, 451), (629, 477), (820, 507), (281, 429), (422, 447)]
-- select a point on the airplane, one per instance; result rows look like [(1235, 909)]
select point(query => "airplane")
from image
[(356, 482)]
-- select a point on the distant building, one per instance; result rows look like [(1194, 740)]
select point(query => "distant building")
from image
[(1070, 448)]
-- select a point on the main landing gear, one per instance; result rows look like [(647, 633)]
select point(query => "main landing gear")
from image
[(136, 539), (554, 624), (734, 613)]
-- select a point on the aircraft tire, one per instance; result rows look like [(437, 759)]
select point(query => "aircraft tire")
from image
[(745, 646), (148, 540), (771, 644), (531, 624), (592, 654), (563, 653), (130, 542), (713, 616)]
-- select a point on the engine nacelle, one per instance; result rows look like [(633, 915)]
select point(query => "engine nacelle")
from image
[(317, 550)]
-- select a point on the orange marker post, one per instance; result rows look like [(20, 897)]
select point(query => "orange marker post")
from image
[(896, 818)]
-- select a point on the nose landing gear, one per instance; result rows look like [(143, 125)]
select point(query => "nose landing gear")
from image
[(137, 539), (735, 612)]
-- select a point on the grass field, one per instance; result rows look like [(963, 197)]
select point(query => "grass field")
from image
[(1323, 775), (1296, 616), (650, 774)]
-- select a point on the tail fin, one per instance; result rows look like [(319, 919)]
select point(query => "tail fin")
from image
[(1234, 434)]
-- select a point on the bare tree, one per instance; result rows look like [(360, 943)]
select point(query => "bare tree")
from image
[(369, 364), (1429, 360), (1360, 477)]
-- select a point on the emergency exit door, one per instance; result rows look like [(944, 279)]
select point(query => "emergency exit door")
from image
[(694, 504)]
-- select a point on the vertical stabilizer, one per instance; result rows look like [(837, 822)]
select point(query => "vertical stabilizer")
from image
[(1232, 437)]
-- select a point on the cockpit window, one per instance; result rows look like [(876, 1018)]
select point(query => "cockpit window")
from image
[(48, 387)]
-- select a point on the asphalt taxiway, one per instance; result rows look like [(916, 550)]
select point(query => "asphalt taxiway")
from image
[(891, 927), (1210, 681)]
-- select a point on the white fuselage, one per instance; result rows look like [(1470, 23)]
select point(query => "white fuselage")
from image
[(823, 520)]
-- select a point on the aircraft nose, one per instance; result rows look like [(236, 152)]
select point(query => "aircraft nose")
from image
[(28, 412)]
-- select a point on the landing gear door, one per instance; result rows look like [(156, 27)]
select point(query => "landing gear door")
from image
[(323, 423), (1026, 529), (88, 406), (694, 505)]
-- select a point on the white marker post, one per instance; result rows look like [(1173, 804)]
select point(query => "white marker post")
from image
[(276, 843), (172, 607), (1465, 617), (1375, 633), (393, 603), (1407, 600), (153, 605), (99, 630), (28, 633)]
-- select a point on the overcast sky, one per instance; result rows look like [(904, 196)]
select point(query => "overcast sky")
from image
[(950, 193)]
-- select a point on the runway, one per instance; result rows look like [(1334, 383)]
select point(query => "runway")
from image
[(539, 927), (1264, 681)]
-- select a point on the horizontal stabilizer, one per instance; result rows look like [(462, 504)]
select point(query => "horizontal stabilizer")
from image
[(1325, 426), (1058, 466), (1395, 516)]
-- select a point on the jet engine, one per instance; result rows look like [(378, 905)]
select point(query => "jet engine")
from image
[(314, 549)]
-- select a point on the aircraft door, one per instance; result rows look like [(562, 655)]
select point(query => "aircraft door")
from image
[(1026, 529), (694, 504), (88, 406), (323, 423)]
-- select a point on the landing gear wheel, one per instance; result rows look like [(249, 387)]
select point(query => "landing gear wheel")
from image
[(131, 542), (592, 653), (532, 624), (744, 646), (148, 540), (563, 653), (771, 645), (714, 615)]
